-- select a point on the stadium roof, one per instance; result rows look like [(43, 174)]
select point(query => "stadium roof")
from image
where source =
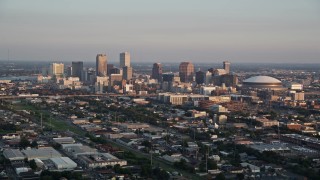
[(261, 79)]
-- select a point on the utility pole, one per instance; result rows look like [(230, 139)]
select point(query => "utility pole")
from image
[(194, 134), (41, 121), (151, 152), (278, 132), (207, 161)]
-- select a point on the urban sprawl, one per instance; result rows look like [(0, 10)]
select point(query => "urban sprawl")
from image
[(71, 121)]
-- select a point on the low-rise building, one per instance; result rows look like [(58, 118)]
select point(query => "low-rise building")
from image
[(77, 150), (101, 160), (41, 153), (267, 123), (63, 163), (13, 154), (64, 140)]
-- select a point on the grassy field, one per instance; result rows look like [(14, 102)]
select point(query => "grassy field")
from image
[(48, 118), (156, 161)]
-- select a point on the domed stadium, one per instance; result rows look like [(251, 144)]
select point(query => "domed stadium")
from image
[(262, 82)]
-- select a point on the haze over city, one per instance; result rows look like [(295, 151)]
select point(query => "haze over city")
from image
[(160, 90), (164, 31)]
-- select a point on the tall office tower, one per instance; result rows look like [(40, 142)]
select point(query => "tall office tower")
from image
[(57, 69), (208, 78), (77, 69), (109, 68), (167, 77), (127, 73), (226, 66), (101, 65), (186, 71), (157, 72), (125, 59), (69, 71), (115, 71), (200, 77)]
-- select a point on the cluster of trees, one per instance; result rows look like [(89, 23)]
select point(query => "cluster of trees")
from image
[(146, 169), (24, 143), (5, 127), (153, 173), (99, 140), (132, 158), (303, 166), (182, 164), (53, 175), (211, 165)]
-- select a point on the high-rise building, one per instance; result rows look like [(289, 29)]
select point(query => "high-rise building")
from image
[(127, 73), (167, 77), (186, 72), (69, 71), (125, 59), (200, 77), (115, 71), (208, 78), (226, 66), (57, 69), (77, 69), (115, 79), (109, 69), (157, 72), (101, 65)]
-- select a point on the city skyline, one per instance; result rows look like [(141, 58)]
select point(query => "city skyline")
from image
[(165, 31)]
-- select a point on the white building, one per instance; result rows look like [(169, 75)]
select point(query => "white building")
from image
[(206, 90), (56, 69), (41, 153), (63, 163), (101, 160)]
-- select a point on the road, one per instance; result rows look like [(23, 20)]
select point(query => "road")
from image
[(156, 160), (85, 95)]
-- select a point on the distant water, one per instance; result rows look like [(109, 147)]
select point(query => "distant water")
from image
[(21, 78)]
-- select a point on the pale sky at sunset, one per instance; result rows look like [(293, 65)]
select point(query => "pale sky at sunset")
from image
[(162, 31)]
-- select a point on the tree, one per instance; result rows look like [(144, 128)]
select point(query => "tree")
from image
[(220, 177), (240, 176), (146, 143), (211, 165), (24, 142), (33, 164), (146, 170), (34, 144)]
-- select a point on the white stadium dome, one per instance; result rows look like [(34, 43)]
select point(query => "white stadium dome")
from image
[(262, 82), (261, 79)]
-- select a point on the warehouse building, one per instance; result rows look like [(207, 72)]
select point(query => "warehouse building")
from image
[(13, 154), (77, 150), (64, 140), (101, 160), (41, 153), (63, 163)]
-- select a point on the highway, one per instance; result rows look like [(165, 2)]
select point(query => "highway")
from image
[(75, 95)]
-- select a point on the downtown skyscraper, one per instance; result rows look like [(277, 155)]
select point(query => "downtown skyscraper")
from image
[(157, 71), (77, 69), (101, 65), (56, 69), (186, 72), (125, 59)]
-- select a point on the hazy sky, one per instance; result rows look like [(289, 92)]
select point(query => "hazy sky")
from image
[(161, 30)]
